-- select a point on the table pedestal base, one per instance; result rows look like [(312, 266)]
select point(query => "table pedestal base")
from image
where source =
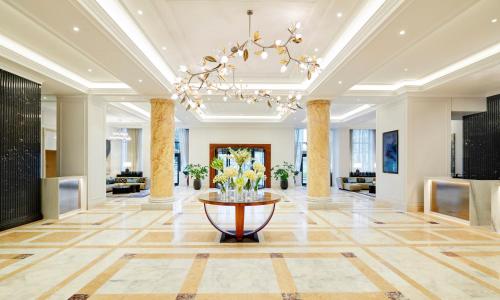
[(226, 238)]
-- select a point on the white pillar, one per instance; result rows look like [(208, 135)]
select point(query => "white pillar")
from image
[(81, 143)]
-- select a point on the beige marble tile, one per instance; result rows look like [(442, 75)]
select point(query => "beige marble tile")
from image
[(239, 276), (18, 236), (148, 276), (108, 237), (416, 235), (333, 275), (440, 280), (341, 253), (463, 235), (58, 237)]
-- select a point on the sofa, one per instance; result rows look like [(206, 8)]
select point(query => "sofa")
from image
[(113, 181), (355, 184)]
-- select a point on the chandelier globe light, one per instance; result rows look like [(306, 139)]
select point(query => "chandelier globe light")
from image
[(212, 75)]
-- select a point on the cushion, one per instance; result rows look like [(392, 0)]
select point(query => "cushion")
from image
[(369, 179), (352, 180), (132, 180), (344, 179), (361, 179), (121, 180)]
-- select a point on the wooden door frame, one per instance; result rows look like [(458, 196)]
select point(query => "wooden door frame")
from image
[(267, 159)]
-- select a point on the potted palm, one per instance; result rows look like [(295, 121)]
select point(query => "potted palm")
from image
[(282, 172), (198, 172)]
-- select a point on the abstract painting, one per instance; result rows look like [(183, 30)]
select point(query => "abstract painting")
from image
[(391, 154)]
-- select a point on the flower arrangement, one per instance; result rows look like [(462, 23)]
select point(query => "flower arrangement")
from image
[(217, 164), (240, 156), (234, 177), (221, 179)]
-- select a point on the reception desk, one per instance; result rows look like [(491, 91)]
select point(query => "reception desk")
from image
[(63, 195), (472, 202)]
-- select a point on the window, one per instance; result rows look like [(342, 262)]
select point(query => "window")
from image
[(363, 150)]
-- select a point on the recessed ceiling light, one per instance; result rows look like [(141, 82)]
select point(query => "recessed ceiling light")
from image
[(339, 15), (140, 12), (402, 32), (76, 29), (90, 70), (406, 69), (163, 48), (140, 80), (44, 98), (340, 81), (316, 49), (494, 20)]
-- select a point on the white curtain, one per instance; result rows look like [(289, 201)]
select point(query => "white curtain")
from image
[(300, 146), (363, 150), (182, 136)]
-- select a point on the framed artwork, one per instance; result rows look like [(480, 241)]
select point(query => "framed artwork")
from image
[(390, 157)]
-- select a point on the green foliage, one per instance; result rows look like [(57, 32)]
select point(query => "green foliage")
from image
[(217, 164), (197, 171), (283, 171)]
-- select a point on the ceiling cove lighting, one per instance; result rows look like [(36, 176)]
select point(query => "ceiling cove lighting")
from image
[(214, 118), (54, 67), (366, 13), (351, 113), (121, 18), (215, 70), (118, 14), (477, 57), (136, 109), (348, 114)]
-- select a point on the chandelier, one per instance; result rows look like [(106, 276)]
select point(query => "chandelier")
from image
[(212, 76)]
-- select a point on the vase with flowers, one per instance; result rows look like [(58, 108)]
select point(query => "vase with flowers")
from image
[(233, 180)]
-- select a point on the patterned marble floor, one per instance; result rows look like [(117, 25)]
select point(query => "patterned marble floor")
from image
[(358, 249)]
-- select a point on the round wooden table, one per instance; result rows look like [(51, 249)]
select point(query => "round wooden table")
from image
[(214, 198)]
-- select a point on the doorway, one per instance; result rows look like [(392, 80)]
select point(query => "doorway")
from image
[(260, 153)]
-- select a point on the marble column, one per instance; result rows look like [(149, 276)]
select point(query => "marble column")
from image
[(318, 150), (162, 150)]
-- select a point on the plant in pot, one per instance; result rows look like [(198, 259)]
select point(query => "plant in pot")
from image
[(198, 172), (282, 172)]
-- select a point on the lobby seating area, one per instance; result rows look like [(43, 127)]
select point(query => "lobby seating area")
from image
[(355, 183), (249, 150)]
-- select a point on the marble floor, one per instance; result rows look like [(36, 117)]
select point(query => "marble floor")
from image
[(357, 249)]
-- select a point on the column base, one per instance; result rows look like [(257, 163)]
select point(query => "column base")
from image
[(319, 202), (159, 203)]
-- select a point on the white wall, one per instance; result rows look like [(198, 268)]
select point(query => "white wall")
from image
[(341, 152), (424, 147), (457, 129), (428, 145), (281, 140), (81, 143), (391, 187), (96, 174)]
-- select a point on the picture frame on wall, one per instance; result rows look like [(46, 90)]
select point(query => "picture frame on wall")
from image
[(390, 155)]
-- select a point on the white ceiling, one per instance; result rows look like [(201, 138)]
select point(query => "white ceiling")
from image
[(364, 48)]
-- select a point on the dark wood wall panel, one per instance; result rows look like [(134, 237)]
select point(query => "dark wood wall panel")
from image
[(482, 142), (20, 198)]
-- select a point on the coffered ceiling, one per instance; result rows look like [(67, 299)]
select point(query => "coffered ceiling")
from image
[(371, 50)]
